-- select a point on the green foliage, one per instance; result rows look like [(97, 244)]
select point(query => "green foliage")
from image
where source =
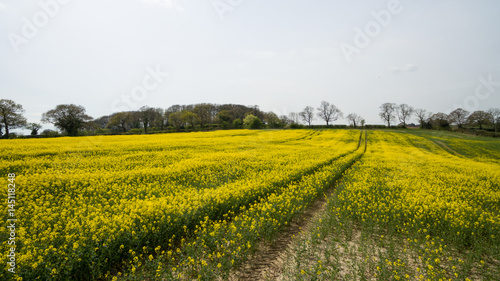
[(50, 133), (253, 122), (256, 124), (135, 131), (67, 117), (237, 123), (440, 121), (103, 131), (189, 117), (224, 125), (11, 116), (34, 127)]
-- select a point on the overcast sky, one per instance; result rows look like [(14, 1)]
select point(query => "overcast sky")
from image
[(114, 55)]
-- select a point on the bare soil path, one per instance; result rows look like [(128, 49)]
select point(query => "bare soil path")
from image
[(267, 262)]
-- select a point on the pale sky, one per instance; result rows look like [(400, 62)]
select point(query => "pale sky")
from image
[(110, 55)]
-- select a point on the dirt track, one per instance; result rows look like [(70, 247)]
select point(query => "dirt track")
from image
[(267, 262)]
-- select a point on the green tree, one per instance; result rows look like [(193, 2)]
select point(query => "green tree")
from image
[(204, 112), (50, 133), (272, 120), (175, 120), (11, 116), (69, 118), (495, 117), (189, 117), (236, 123), (248, 119), (159, 120), (225, 116), (34, 127), (119, 121), (459, 116), (253, 122), (439, 121), (479, 118), (134, 120), (149, 116)]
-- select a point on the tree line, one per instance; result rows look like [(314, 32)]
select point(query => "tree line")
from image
[(459, 117), (72, 119)]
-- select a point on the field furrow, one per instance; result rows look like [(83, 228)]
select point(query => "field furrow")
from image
[(248, 205), (110, 195)]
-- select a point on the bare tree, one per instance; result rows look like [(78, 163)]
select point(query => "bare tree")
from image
[(329, 112), (294, 117), (387, 112), (423, 116), (404, 112), (11, 115), (67, 117), (285, 120), (459, 116), (354, 119), (307, 115)]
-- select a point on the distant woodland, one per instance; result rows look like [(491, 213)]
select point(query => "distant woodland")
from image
[(72, 120)]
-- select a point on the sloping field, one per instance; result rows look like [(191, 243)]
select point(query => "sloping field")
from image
[(411, 205), (417, 206)]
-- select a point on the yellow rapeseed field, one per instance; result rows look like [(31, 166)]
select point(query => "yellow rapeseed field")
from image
[(86, 205), (417, 206), (413, 206)]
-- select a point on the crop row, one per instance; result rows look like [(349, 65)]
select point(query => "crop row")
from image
[(408, 210), (82, 201)]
